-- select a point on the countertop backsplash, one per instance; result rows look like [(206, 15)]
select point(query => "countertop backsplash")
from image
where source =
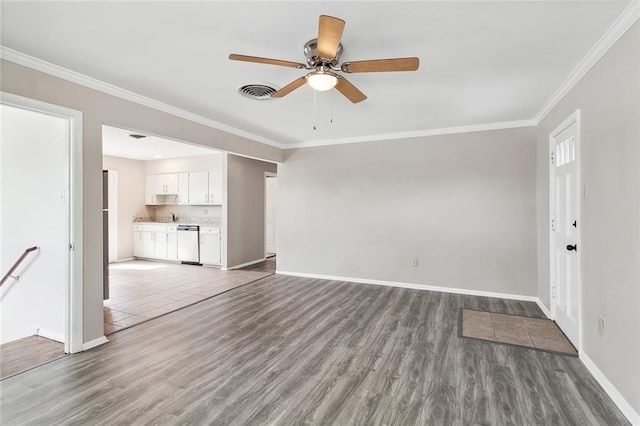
[(191, 220)]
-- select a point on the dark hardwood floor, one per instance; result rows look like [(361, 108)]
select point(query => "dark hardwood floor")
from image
[(289, 350)]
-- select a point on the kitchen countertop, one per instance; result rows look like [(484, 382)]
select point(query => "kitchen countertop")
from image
[(202, 225)]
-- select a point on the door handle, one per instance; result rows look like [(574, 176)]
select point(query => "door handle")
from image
[(573, 247)]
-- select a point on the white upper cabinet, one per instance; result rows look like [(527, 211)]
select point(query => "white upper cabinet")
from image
[(150, 190), (198, 187), (194, 188), (166, 183), (215, 187), (183, 188)]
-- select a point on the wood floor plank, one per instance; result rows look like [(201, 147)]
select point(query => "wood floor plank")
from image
[(289, 350), (29, 352)]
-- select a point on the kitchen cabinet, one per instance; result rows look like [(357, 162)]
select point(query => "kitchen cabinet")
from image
[(186, 188), (210, 245), (215, 187), (150, 190), (137, 241), (198, 188), (166, 183), (155, 241), (183, 188), (160, 245), (148, 247), (172, 242)]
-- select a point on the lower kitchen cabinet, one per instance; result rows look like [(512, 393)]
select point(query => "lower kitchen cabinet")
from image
[(137, 244), (155, 241), (160, 241), (172, 242), (210, 245), (160, 245), (148, 247)]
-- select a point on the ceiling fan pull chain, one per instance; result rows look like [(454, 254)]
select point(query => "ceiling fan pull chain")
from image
[(314, 110), (331, 108)]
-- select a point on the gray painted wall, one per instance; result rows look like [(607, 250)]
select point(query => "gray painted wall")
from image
[(245, 210), (609, 100), (99, 108), (464, 205)]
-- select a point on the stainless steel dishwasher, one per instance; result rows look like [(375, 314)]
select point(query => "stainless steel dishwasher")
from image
[(188, 244)]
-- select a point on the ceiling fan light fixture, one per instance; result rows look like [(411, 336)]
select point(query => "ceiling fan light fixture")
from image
[(322, 80)]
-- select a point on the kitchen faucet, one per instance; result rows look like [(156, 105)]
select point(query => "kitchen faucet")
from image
[(174, 217)]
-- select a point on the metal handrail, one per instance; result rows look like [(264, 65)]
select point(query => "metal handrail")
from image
[(15, 265)]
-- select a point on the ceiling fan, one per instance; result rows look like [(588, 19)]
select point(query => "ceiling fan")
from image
[(323, 55)]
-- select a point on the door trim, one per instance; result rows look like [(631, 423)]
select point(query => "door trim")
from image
[(268, 175), (573, 118), (74, 326)]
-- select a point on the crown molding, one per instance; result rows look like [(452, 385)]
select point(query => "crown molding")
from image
[(92, 83), (608, 39), (417, 134)]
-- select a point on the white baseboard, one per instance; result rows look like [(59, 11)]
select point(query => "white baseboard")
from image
[(93, 343), (415, 286), (253, 262), (611, 390), (543, 308), (48, 334), (126, 259)]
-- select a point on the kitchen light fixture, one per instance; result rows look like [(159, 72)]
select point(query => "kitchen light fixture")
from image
[(322, 80)]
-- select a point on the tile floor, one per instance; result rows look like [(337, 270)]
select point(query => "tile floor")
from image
[(542, 334), (142, 290)]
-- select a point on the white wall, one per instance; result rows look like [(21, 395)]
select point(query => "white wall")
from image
[(130, 199), (609, 100), (464, 205), (34, 185), (245, 210)]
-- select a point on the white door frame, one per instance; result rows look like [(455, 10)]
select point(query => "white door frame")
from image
[(573, 118), (73, 339), (266, 176)]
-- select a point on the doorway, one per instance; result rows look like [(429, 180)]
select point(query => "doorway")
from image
[(270, 208), (41, 206), (564, 203)]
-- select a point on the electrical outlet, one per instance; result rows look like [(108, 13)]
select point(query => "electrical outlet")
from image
[(414, 262), (601, 326), (204, 211)]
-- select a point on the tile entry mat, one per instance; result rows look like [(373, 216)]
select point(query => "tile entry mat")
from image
[(534, 333)]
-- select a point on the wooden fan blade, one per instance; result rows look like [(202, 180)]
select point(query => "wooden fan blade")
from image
[(329, 35), (290, 87), (269, 61), (382, 65), (350, 91)]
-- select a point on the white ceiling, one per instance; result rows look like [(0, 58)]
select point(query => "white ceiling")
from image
[(481, 62), (117, 143)]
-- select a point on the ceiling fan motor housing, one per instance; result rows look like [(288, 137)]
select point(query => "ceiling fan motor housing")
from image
[(314, 60)]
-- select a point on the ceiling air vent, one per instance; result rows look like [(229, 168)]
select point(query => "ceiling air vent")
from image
[(257, 91)]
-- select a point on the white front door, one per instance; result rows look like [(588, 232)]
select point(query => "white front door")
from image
[(270, 214), (565, 192)]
